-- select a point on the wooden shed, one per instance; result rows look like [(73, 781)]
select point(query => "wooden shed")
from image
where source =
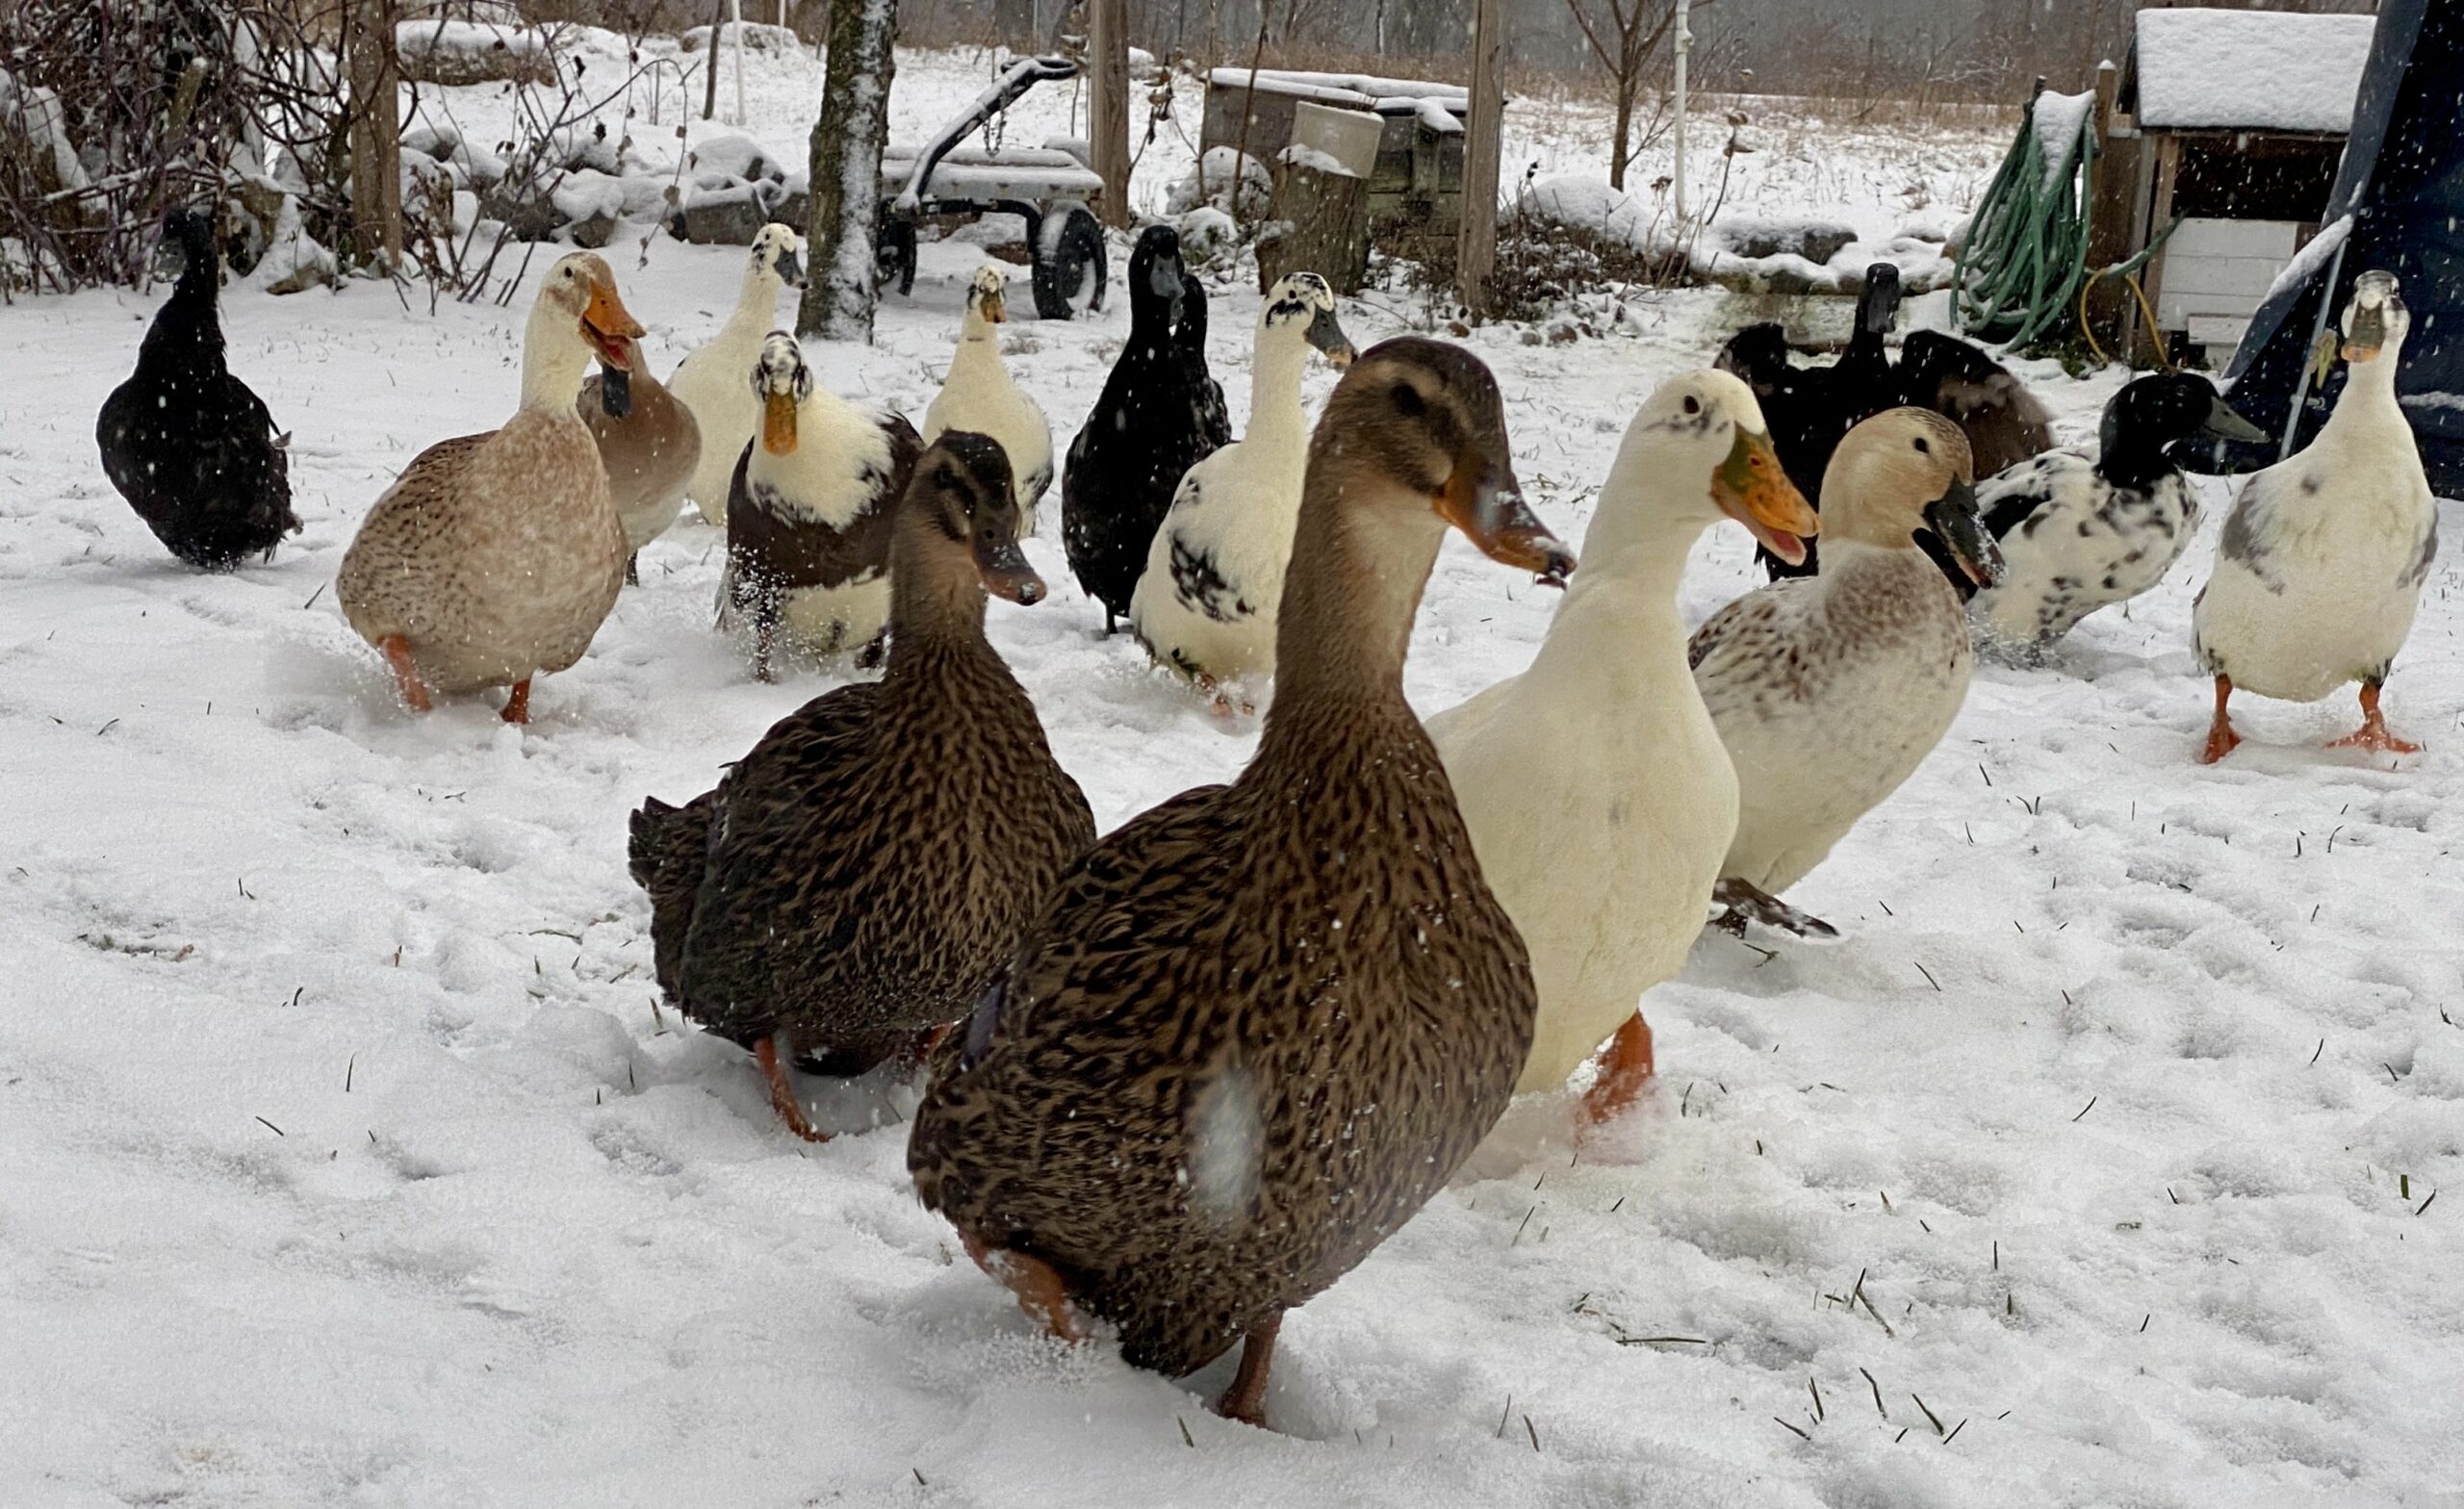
[(2233, 121), (1419, 179)]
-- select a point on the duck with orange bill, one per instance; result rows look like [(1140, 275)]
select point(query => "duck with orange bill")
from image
[(1256, 1027), (809, 517), (1599, 796), (496, 556)]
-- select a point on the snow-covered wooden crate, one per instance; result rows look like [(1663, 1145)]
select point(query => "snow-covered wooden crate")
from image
[(1418, 174)]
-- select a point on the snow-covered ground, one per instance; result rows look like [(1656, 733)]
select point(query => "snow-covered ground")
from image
[(350, 1162)]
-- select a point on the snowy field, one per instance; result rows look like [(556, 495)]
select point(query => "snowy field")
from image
[(349, 1160)]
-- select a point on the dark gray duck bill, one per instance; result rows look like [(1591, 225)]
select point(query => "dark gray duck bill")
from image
[(1955, 518), (616, 391), (2225, 424), (1327, 334), (791, 267)]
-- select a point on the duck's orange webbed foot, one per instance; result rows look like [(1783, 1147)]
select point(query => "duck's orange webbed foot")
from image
[(397, 650), (2221, 740), (783, 1092), (1625, 1068), (1042, 1294), (517, 708), (2372, 734)]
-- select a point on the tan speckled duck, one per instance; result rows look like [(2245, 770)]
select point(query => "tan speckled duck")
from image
[(649, 444), (1257, 1028), (880, 852), (496, 556)]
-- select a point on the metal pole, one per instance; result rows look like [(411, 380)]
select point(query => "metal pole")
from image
[(2310, 352), (736, 9), (1685, 45)]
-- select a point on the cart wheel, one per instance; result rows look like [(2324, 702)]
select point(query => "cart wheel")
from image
[(1069, 264), (894, 253)]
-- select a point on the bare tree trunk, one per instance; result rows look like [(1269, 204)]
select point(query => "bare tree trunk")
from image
[(847, 144), (375, 134), (1475, 247), (1108, 104), (710, 60), (1629, 84)]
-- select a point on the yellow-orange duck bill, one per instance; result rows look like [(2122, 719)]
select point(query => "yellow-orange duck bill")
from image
[(993, 307), (1753, 488), (1490, 511), (609, 328), (779, 424)]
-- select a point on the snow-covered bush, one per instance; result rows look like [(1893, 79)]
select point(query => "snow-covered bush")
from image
[(1213, 184)]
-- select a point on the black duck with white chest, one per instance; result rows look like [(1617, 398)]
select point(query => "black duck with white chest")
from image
[(189, 446), (853, 882), (1257, 1028)]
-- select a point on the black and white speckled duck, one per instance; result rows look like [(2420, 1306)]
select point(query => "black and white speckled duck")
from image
[(2078, 535), (854, 881), (1258, 1027), (1159, 415), (189, 446)]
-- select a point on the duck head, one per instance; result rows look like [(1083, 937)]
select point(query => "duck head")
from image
[(1711, 458), (1302, 302), (1156, 274), (1425, 418), (616, 384), (1903, 471), (578, 303), (1879, 304), (778, 252), (782, 381), (2158, 411), (986, 304), (2375, 319), (963, 482), (187, 243)]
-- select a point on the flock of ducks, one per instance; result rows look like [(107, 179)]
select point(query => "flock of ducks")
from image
[(1183, 1076)]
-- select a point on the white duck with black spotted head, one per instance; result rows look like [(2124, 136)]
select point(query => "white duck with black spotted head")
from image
[(2324, 556), (979, 395), (1206, 605)]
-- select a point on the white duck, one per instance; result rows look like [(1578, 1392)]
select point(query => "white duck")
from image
[(2079, 534), (809, 515), (2324, 554), (977, 394), (711, 380), (1206, 603), (1829, 690), (1600, 797)]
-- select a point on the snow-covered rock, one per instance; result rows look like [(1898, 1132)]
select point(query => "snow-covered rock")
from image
[(1212, 183), (450, 53)]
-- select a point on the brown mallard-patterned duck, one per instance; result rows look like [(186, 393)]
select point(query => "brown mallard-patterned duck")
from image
[(650, 445), (854, 881), (496, 556), (1254, 1029)]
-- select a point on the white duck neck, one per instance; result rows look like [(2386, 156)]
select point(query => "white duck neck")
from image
[(552, 361), (978, 349), (2369, 395), (1275, 389), (757, 301)]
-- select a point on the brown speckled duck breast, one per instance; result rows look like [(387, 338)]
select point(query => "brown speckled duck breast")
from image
[(648, 443)]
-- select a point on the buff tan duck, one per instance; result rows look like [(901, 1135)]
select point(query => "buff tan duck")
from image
[(1258, 1027), (496, 556), (650, 445), (854, 881)]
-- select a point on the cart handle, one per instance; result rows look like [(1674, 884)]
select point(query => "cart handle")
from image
[(1019, 77)]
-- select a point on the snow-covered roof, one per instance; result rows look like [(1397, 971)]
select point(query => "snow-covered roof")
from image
[(1438, 104), (2259, 70)]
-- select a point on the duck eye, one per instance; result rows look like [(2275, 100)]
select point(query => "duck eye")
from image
[(1693, 404), (1924, 448), (1407, 398)]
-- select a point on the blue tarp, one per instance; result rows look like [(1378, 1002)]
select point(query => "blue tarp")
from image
[(2402, 183)]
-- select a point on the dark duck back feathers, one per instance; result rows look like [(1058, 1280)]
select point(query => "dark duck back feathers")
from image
[(1810, 409), (856, 879), (1256, 1027), (191, 446), (1158, 414)]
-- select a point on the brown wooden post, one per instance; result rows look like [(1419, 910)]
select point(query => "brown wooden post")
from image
[(375, 134), (1108, 105), (1476, 243), (2148, 346), (2110, 209)]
